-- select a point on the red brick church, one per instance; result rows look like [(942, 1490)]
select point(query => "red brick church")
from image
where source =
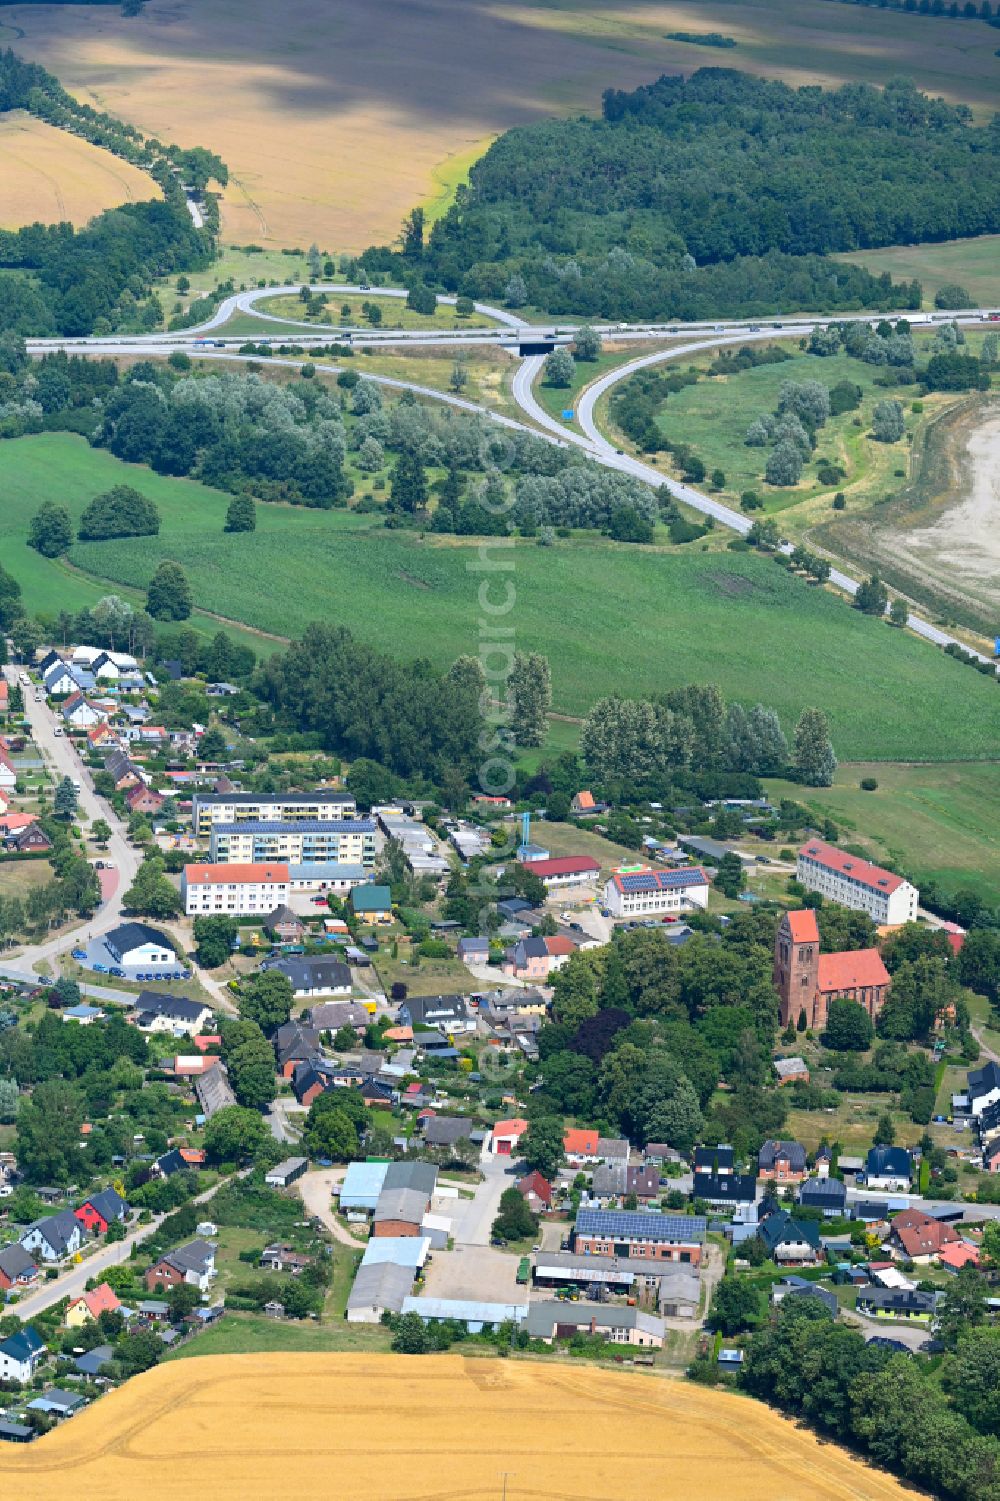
[(807, 981)]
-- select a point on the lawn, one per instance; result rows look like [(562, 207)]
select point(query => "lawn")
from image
[(645, 617), (974, 264), (395, 313), (934, 820), (18, 877), (713, 417), (63, 467), (240, 1333)]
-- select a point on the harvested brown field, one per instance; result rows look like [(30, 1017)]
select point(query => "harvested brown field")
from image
[(50, 175), (435, 1428), (336, 119)]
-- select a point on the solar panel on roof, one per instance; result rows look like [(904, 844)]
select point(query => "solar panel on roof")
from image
[(627, 1222)]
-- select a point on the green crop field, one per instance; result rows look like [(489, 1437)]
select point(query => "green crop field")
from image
[(974, 264), (934, 819), (649, 618)]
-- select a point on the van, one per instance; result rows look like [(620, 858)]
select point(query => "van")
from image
[(57, 731)]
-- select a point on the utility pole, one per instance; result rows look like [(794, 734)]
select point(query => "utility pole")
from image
[(504, 1475)]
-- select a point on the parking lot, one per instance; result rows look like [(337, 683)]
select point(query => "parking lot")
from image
[(95, 955)]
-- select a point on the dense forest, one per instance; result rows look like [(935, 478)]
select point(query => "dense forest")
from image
[(90, 280), (713, 195)]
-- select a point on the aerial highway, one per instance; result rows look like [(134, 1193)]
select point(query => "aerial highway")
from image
[(511, 332)]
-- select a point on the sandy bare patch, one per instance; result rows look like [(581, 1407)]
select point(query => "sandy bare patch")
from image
[(964, 541)]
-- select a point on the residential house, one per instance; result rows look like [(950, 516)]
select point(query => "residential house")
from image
[(639, 891), (584, 804), (640, 1233), (282, 1258), (959, 1254), (21, 1354), (102, 1210), (28, 839), (55, 1236), (907, 1304), (788, 1239), (581, 1146), (617, 1323), (135, 945), (283, 926), (919, 1237), (17, 1269), (92, 1362), (536, 1192), (474, 950), (330, 1016), (983, 1087), (565, 870), (214, 1091), (144, 800), (294, 1043), (176, 1014), (537, 958), (717, 1181), (88, 1308), (781, 1162), (371, 904), (313, 977), (79, 713), (445, 1131), (888, 1168), (793, 1070), (852, 882), (801, 1287), (56, 1402), (450, 1014), (60, 679), (193, 1263), (829, 1195), (119, 765)]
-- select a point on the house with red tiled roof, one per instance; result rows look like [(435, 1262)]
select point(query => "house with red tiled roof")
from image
[(841, 877), (583, 802), (537, 958), (581, 1145), (959, 1254), (919, 1237), (564, 870), (89, 1306), (536, 1191), (808, 981), (142, 799)]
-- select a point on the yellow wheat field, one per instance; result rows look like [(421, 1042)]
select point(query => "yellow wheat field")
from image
[(433, 1428), (49, 175), (337, 116)]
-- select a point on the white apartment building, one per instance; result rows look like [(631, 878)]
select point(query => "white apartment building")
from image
[(341, 841), (325, 803), (840, 877), (234, 889), (643, 892)]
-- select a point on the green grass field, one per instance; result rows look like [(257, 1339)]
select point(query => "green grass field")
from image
[(239, 1333), (642, 617), (713, 417), (395, 313), (934, 819), (974, 264)]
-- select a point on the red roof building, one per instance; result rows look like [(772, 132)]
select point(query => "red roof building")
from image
[(537, 1191), (808, 981), (850, 973), (581, 1145), (919, 1236), (853, 882)]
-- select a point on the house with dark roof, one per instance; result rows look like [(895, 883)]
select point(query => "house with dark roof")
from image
[(55, 1236), (193, 1263), (781, 1162), (17, 1269), (91, 1362), (829, 1195), (788, 1239), (908, 1304), (641, 1233), (102, 1210), (448, 1013), (293, 1043), (801, 1287), (213, 1090), (284, 925), (717, 1181), (21, 1354), (156, 1012), (312, 977), (888, 1168), (983, 1087), (445, 1130)]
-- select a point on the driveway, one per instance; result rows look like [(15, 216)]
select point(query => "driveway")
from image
[(316, 1190), (472, 1218)]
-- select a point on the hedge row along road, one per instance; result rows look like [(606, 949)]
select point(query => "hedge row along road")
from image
[(591, 441)]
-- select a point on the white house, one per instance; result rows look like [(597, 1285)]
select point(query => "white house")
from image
[(234, 888), (21, 1354), (80, 713), (888, 1168), (639, 891), (54, 1237), (170, 1013), (840, 877), (565, 870), (8, 776), (136, 944), (60, 680), (313, 977)]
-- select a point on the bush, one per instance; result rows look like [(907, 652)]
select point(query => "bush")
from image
[(868, 784)]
